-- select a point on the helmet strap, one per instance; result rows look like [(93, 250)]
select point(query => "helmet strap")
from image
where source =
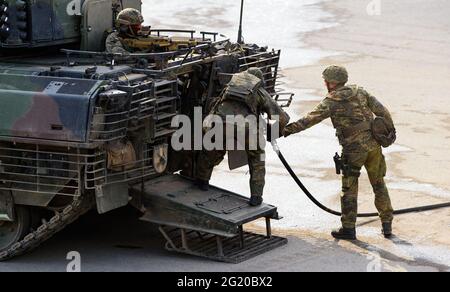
[(123, 29)]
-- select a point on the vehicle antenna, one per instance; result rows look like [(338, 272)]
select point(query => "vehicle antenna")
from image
[(240, 40)]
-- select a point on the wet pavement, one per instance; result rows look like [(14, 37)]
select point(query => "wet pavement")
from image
[(118, 241)]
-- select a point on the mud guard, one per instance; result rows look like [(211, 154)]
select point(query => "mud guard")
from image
[(111, 197)]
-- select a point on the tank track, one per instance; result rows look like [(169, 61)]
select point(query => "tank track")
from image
[(48, 229)]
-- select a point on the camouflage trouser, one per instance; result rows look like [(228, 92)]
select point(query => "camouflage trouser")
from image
[(375, 164), (207, 160)]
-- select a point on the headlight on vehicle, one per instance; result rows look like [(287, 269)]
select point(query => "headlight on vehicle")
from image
[(160, 158)]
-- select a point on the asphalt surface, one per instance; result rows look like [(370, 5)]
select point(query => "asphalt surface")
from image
[(120, 242)]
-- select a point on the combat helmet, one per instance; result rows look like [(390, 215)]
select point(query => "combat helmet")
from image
[(129, 17), (256, 72), (335, 74)]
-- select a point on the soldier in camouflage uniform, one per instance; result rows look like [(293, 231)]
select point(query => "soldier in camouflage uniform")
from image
[(244, 96), (352, 109), (129, 23)]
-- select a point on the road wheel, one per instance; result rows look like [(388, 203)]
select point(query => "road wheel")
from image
[(12, 232)]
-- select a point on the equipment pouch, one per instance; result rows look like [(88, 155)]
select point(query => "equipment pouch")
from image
[(121, 156), (338, 162), (345, 168)]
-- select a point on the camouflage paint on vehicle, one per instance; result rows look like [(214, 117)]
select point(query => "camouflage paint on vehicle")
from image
[(46, 107), (80, 127)]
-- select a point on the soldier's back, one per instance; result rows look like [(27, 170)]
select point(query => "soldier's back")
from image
[(352, 118), (233, 108)]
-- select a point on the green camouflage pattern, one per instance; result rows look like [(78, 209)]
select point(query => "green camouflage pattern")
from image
[(114, 44), (207, 160), (125, 18), (335, 74), (241, 88), (129, 16), (255, 100), (375, 164), (347, 107), (79, 128), (258, 100), (45, 107)]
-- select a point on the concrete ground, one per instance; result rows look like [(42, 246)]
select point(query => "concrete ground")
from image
[(120, 242)]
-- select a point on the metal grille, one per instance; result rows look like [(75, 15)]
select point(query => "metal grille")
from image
[(40, 170), (268, 62), (36, 169), (149, 104), (98, 174), (166, 107), (232, 250)]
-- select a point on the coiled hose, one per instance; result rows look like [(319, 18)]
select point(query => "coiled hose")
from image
[(333, 212)]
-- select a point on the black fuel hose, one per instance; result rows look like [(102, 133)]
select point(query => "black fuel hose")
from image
[(333, 212)]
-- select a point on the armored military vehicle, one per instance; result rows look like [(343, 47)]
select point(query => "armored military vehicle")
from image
[(83, 129)]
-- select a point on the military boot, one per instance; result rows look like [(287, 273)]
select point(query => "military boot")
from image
[(387, 230), (344, 234), (202, 185), (255, 201)]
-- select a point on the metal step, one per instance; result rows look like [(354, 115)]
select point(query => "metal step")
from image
[(175, 201), (207, 224), (233, 250)]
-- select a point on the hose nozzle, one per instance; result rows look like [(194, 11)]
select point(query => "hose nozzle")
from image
[(275, 146)]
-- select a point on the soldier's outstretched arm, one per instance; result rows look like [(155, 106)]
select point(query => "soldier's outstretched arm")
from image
[(320, 113), (378, 108), (271, 108)]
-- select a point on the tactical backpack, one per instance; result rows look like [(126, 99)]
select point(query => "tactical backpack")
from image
[(242, 88), (383, 132)]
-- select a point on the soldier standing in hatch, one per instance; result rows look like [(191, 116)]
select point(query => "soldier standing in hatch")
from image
[(129, 24), (244, 96), (352, 110)]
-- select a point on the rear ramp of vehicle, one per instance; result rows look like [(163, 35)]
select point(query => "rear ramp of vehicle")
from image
[(207, 224)]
